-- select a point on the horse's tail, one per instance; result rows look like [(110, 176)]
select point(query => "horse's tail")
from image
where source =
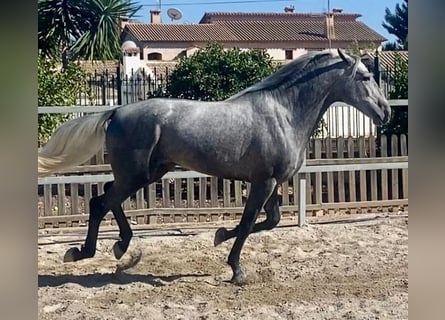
[(73, 143)]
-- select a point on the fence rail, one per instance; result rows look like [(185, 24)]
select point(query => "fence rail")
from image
[(334, 165)]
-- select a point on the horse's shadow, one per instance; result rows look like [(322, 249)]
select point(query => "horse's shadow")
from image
[(99, 280)]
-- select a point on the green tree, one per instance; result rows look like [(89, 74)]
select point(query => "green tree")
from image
[(56, 87), (358, 50), (215, 73), (397, 24), (390, 46), (399, 79), (86, 29), (399, 90)]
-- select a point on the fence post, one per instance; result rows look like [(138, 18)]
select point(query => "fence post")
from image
[(119, 85), (377, 68), (103, 87), (301, 178), (302, 200)]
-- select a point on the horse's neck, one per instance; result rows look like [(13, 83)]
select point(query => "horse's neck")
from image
[(307, 103)]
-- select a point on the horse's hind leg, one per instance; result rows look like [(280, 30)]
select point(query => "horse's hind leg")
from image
[(97, 213), (99, 206), (125, 233), (272, 219)]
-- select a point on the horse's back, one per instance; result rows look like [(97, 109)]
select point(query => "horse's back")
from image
[(224, 139)]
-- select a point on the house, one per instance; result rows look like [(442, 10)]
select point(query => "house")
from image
[(154, 48), (285, 35)]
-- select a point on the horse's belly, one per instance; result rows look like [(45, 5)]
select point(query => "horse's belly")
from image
[(224, 169)]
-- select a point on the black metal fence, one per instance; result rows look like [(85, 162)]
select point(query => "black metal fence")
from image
[(113, 87), (385, 75), (386, 81)]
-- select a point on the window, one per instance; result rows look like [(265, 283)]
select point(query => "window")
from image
[(289, 54), (154, 56)]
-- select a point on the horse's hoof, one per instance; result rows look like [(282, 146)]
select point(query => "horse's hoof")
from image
[(220, 236), (72, 254), (238, 279), (118, 252), (135, 257)]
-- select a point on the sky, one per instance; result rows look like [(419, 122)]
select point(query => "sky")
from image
[(372, 11)]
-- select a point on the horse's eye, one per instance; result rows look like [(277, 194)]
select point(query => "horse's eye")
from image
[(367, 78)]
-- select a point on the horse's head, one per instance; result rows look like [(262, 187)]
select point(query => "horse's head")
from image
[(359, 89)]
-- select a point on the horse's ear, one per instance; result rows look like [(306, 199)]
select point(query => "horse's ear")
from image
[(355, 62), (344, 57)]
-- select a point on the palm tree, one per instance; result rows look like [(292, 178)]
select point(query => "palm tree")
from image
[(59, 23), (86, 29), (397, 24)]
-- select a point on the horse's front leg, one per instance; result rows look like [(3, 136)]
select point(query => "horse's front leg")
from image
[(259, 193), (272, 219)]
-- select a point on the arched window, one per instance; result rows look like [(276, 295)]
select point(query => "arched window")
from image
[(154, 56)]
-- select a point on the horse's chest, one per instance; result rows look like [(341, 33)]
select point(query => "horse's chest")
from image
[(288, 165)]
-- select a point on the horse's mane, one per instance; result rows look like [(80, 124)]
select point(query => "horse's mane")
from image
[(289, 73)]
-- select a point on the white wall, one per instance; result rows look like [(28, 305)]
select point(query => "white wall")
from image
[(169, 54), (133, 62)]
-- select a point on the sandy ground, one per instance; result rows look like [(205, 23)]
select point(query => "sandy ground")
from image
[(342, 270)]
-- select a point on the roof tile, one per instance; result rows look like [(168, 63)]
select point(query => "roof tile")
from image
[(212, 17), (179, 32), (299, 30), (233, 27), (99, 67)]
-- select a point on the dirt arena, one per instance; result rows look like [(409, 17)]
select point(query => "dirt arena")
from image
[(354, 269)]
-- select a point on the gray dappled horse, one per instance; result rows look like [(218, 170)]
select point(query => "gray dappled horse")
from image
[(258, 135)]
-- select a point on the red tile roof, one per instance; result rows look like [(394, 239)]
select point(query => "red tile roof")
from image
[(179, 32), (212, 17), (131, 50), (237, 26), (309, 30), (99, 67)]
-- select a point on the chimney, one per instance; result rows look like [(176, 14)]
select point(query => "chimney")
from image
[(155, 16), (330, 30), (123, 22), (289, 9)]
